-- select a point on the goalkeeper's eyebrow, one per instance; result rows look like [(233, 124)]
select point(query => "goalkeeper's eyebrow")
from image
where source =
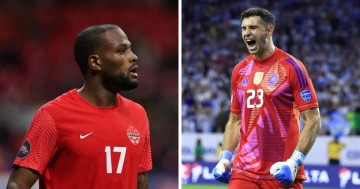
[(252, 26)]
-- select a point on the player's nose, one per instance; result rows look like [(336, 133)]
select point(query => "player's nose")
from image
[(133, 58)]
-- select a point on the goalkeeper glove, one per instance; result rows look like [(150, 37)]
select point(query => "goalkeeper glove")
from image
[(285, 171), (222, 171)]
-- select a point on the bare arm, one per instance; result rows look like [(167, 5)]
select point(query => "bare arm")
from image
[(22, 178), (232, 133), (311, 129), (142, 181)]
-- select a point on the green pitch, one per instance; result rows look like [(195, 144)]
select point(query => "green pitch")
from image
[(220, 186)]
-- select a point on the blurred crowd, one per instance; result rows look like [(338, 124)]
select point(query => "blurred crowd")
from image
[(37, 65), (324, 35)]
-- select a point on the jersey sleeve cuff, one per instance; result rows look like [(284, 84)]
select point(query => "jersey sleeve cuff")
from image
[(308, 106)]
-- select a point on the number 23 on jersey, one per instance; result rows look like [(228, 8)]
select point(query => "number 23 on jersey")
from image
[(255, 98)]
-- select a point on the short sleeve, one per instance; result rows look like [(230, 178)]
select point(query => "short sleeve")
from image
[(235, 106), (145, 163), (39, 144), (302, 86)]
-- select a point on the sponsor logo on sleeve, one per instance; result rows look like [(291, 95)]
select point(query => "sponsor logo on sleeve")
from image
[(24, 150), (305, 95)]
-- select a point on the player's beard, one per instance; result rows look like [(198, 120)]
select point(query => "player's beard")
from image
[(118, 82)]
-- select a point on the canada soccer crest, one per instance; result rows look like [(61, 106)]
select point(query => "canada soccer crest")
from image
[(133, 135)]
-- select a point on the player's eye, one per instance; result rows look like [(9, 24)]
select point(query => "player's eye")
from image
[(122, 50)]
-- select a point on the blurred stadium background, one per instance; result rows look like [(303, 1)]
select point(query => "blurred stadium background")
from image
[(324, 35), (37, 65)]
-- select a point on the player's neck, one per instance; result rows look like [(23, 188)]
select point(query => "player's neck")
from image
[(268, 50), (97, 96)]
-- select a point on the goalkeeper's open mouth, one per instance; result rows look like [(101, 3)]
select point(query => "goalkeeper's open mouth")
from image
[(251, 44)]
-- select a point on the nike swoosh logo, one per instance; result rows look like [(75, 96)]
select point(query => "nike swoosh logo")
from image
[(84, 136)]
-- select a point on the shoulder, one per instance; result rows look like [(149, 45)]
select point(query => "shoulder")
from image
[(130, 104), (296, 70), (243, 64), (61, 105), (63, 98), (290, 61)]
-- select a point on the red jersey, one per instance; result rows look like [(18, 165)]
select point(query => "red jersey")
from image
[(269, 94), (74, 144)]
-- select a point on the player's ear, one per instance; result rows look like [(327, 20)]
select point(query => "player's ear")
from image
[(94, 62), (270, 30)]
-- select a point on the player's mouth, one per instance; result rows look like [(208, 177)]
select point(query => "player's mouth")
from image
[(133, 72), (251, 44)]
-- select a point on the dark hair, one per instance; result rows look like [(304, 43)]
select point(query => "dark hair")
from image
[(87, 43), (264, 14)]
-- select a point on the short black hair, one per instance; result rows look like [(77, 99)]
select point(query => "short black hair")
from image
[(264, 14), (87, 42)]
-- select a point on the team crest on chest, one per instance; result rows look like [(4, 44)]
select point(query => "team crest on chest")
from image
[(273, 79), (258, 77), (133, 135)]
